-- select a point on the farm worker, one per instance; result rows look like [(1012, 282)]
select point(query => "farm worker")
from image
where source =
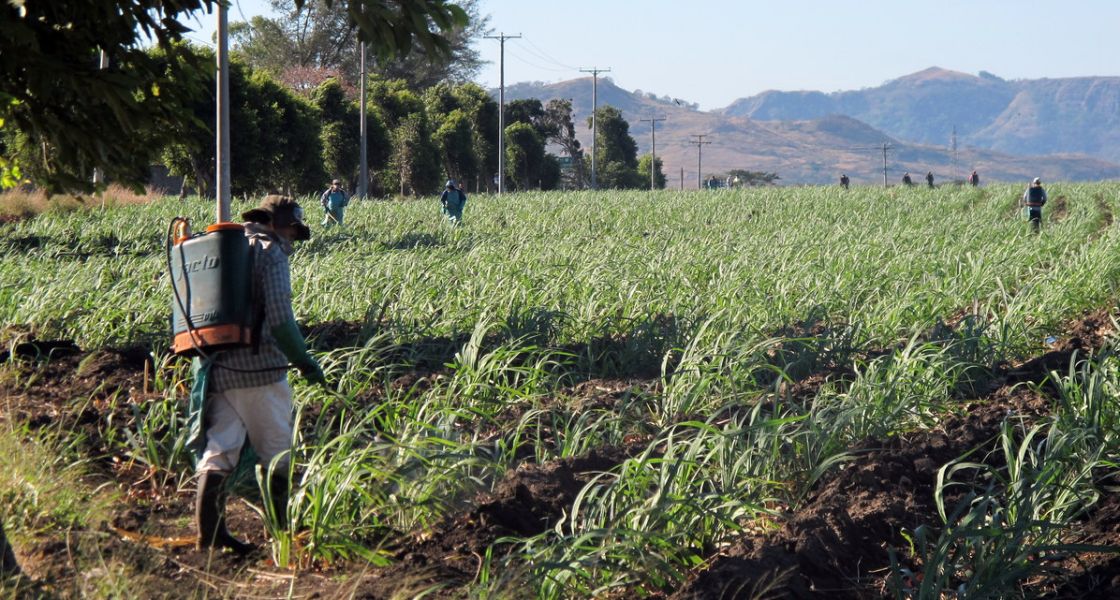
[(974, 179), (334, 202), (906, 179), (1034, 198), (844, 181), (244, 391), (452, 201), (929, 179)]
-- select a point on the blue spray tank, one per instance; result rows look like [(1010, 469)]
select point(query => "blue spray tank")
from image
[(211, 308)]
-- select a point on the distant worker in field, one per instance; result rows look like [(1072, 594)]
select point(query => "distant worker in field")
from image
[(906, 181), (1033, 199), (844, 181), (929, 179), (452, 201), (243, 394), (334, 201), (974, 179)]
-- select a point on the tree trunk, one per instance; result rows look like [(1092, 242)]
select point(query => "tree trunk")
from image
[(8, 565)]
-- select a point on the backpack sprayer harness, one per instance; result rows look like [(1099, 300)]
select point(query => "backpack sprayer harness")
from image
[(217, 311)]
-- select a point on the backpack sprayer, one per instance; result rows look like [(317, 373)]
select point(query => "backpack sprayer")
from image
[(211, 309)]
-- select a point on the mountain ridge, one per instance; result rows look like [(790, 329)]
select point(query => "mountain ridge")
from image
[(811, 137)]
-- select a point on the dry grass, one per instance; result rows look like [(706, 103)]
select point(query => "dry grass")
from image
[(22, 204)]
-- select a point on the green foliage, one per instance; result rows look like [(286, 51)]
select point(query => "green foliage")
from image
[(79, 117), (617, 164), (74, 115), (414, 163), (524, 155), (421, 41), (743, 177), (644, 168), (454, 139), (479, 348), (340, 131)]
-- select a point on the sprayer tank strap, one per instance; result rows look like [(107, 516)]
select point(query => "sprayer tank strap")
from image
[(271, 276)]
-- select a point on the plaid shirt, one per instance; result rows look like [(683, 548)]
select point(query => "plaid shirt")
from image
[(273, 283)]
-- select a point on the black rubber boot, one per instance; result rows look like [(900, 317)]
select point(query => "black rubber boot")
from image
[(8, 564), (278, 489), (209, 515)]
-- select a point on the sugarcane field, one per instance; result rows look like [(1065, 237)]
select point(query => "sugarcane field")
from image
[(596, 394), (500, 300)]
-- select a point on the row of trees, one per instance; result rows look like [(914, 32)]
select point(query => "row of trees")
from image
[(61, 116), (283, 140), (295, 115)]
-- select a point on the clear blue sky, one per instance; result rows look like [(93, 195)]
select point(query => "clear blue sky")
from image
[(714, 51)]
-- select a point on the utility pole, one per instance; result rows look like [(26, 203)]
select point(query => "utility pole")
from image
[(886, 146), (699, 143), (502, 37), (594, 125), (98, 175), (222, 187), (363, 158), (682, 179), (652, 120)]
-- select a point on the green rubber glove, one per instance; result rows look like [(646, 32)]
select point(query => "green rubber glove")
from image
[(290, 341)]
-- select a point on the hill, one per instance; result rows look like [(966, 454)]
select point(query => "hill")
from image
[(803, 141), (1040, 116)]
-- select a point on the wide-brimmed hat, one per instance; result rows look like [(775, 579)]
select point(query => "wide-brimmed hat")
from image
[(279, 211)]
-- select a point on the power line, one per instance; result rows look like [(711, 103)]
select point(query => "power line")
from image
[(546, 56), (594, 124), (537, 66), (883, 147), (699, 143)]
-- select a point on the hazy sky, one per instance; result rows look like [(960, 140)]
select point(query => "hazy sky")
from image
[(714, 51)]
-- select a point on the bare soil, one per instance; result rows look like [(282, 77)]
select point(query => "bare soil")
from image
[(836, 542)]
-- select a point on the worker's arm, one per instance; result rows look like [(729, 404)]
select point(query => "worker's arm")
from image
[(290, 341)]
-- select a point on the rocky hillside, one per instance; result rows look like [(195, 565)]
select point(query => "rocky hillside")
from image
[(799, 137), (1039, 116)]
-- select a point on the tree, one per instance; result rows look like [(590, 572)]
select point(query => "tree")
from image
[(658, 174), (423, 69), (482, 112), (340, 132), (739, 177), (274, 137), (286, 138), (414, 163), (76, 116), (453, 138), (618, 152), (53, 93), (524, 155), (320, 36), (558, 116)]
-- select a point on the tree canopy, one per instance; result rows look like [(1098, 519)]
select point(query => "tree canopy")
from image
[(320, 38), (617, 162), (57, 104)]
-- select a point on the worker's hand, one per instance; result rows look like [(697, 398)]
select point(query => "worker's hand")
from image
[(313, 373)]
